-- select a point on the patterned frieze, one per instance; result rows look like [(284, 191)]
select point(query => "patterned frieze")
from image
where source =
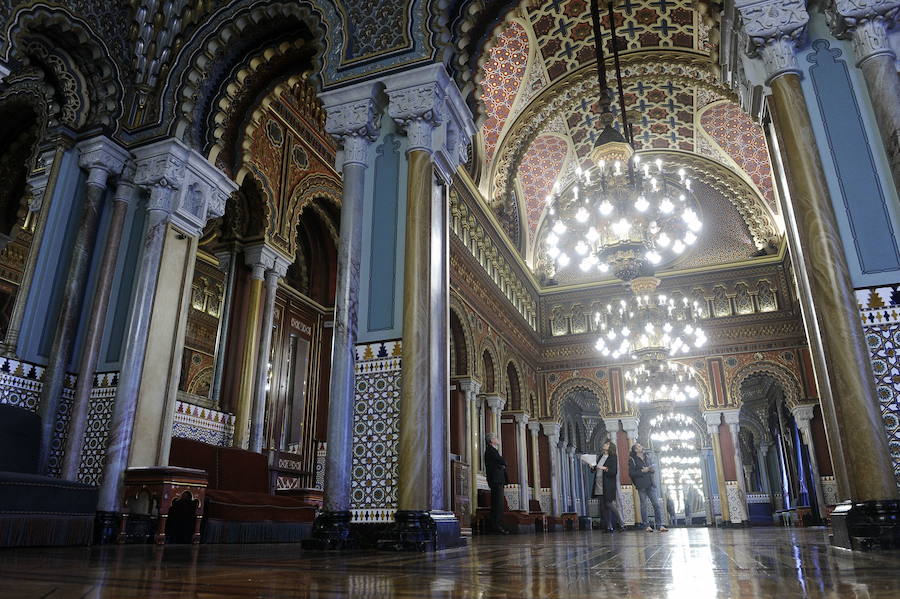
[(203, 424), (467, 225)]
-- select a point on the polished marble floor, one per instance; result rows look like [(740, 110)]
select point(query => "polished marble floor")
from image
[(690, 564)]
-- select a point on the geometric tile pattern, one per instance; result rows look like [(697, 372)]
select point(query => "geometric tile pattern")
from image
[(880, 312), (565, 35), (502, 77), (96, 437), (744, 141), (321, 451), (539, 170), (20, 383), (202, 424), (664, 120), (376, 432)]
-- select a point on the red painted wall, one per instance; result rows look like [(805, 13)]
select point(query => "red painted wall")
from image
[(544, 448), (510, 452), (727, 446)]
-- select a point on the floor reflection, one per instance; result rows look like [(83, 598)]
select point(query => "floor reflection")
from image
[(683, 564)]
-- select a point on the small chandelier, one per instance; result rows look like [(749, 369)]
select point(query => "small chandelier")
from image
[(672, 427), (663, 384), (649, 327)]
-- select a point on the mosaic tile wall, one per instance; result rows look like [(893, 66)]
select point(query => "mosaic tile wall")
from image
[(202, 424), (320, 465), (880, 311), (376, 423), (21, 384)]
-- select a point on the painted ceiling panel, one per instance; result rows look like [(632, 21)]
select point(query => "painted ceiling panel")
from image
[(538, 172), (503, 75)]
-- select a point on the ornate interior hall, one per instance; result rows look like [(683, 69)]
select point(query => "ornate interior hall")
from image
[(274, 274)]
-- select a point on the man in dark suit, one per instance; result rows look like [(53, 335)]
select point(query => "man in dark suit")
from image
[(495, 468)]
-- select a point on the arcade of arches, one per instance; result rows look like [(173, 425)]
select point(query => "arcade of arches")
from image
[(300, 248)]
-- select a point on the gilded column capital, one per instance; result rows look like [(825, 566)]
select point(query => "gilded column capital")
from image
[(101, 157), (266, 262), (772, 28), (534, 427), (352, 118), (866, 23)]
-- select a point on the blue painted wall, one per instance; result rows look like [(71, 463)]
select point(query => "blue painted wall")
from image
[(383, 243), (853, 156)]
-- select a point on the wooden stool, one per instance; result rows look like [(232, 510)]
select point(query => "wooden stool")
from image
[(164, 484)]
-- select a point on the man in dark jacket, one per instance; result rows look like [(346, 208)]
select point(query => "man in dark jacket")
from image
[(495, 468)]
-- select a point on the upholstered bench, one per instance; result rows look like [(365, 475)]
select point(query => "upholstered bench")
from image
[(36, 509), (239, 507)]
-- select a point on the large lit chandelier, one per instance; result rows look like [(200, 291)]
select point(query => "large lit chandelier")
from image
[(672, 427), (623, 214), (661, 383)]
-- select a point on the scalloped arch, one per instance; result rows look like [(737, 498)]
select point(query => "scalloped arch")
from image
[(565, 389), (457, 306), (188, 81), (90, 53), (788, 381)]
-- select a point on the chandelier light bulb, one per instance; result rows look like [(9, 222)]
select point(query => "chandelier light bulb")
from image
[(606, 208), (563, 260), (678, 246), (604, 267), (582, 215), (553, 252), (666, 206), (559, 227), (592, 235), (690, 238), (642, 204), (581, 247), (552, 239)]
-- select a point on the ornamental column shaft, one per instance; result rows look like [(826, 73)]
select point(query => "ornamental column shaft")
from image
[(496, 405), (90, 353), (244, 409), (573, 488), (803, 415), (521, 445), (353, 121), (732, 419), (551, 430), (713, 420), (101, 158), (276, 268), (866, 23), (852, 419), (473, 446), (534, 428), (226, 263)]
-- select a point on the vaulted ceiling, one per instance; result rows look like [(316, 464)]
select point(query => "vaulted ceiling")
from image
[(539, 118)]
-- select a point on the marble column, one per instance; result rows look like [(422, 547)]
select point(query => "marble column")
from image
[(276, 267), (763, 465), (482, 428), (534, 428), (866, 24), (551, 430), (100, 157), (630, 425), (43, 187), (521, 445), (713, 420), (185, 191), (496, 405), (226, 263), (352, 118), (573, 489), (90, 353), (244, 409), (803, 415), (733, 420), (470, 388), (563, 458), (863, 468)]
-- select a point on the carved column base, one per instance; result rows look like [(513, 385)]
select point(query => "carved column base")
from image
[(331, 531), (417, 530), (867, 525)]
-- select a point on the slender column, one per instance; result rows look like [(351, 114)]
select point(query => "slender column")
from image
[(473, 443), (732, 419), (521, 445), (43, 185), (534, 428), (353, 122), (226, 263), (856, 438), (573, 489), (122, 423), (276, 268), (803, 415), (713, 420), (482, 429), (101, 158), (244, 409), (763, 465), (551, 430), (496, 404), (866, 23), (90, 353), (563, 476)]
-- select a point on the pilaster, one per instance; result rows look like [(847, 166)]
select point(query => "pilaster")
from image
[(713, 420)]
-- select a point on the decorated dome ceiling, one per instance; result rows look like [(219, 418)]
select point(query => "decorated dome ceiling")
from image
[(537, 88)]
